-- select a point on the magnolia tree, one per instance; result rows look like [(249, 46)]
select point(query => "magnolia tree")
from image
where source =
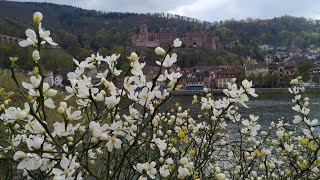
[(103, 130)]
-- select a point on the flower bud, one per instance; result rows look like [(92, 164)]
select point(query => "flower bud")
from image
[(220, 176), (36, 55), (294, 81), (70, 138), (263, 133), (275, 142), (262, 166), (254, 174), (16, 126), (76, 165), (217, 169), (272, 165), (133, 57), (82, 129), (173, 150), (91, 162), (160, 51), (51, 92), (37, 17), (61, 110), (93, 140), (63, 104), (183, 161), (13, 59), (144, 135)]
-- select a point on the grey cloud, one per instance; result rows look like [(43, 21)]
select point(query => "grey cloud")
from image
[(209, 10)]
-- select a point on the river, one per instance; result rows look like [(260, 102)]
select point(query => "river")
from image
[(269, 107)]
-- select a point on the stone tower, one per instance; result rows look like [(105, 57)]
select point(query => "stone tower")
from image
[(144, 34)]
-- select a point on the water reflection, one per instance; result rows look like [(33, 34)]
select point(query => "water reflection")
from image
[(269, 107)]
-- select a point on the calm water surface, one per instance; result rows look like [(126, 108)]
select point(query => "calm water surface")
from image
[(269, 107)]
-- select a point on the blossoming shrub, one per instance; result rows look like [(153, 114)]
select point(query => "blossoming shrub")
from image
[(123, 131)]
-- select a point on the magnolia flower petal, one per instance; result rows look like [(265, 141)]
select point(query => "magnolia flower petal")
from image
[(25, 43), (31, 34), (49, 103)]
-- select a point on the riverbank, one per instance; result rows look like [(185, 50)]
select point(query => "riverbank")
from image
[(258, 91)]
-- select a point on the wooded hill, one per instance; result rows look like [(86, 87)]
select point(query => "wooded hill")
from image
[(80, 31)]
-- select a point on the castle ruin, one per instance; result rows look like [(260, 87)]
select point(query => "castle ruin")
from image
[(144, 38)]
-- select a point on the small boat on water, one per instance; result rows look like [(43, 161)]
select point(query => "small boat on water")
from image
[(194, 87)]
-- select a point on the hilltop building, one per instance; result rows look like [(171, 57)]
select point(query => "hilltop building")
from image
[(166, 36)]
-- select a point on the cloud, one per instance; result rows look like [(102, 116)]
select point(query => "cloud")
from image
[(209, 10), (200, 9)]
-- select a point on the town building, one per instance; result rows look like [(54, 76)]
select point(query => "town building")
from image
[(225, 76), (287, 68), (256, 69), (58, 80), (315, 75), (49, 77), (268, 58)]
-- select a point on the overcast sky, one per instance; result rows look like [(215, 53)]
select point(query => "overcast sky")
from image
[(208, 10)]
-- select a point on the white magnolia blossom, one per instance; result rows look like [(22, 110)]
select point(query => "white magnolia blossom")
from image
[(168, 60), (118, 120), (68, 166), (248, 87), (31, 39), (29, 161), (49, 103), (161, 144), (251, 126), (34, 141), (149, 168), (177, 42), (63, 130), (45, 36), (75, 115), (113, 142)]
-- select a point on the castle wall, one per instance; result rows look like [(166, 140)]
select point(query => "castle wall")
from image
[(167, 35)]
